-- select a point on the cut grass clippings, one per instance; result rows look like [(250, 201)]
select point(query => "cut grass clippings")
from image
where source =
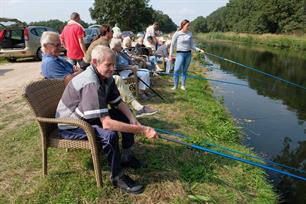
[(175, 173)]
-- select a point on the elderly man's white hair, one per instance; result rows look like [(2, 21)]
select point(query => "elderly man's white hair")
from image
[(48, 37), (127, 41), (98, 53), (115, 42)]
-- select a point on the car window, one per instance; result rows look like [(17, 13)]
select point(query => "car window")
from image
[(17, 34), (97, 32), (52, 29), (88, 31), (7, 34), (39, 31), (33, 31)]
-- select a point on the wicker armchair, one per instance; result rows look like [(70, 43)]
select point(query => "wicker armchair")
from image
[(43, 97)]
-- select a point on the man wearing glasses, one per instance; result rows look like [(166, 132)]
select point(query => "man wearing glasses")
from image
[(54, 66)]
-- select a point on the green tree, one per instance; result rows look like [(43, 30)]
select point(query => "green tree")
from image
[(166, 23), (217, 20), (259, 16), (199, 25), (132, 15)]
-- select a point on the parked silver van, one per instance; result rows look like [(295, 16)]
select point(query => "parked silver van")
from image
[(18, 40)]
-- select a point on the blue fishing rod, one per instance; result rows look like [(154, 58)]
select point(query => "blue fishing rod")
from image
[(215, 80), (256, 70), (193, 146), (208, 79), (233, 151), (210, 66)]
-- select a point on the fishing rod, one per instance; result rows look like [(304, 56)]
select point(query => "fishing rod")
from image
[(151, 89), (210, 66), (215, 80), (233, 151), (232, 157), (256, 70), (208, 79)]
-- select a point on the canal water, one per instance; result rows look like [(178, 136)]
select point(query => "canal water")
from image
[(271, 113)]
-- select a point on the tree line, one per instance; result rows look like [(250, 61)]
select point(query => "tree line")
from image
[(255, 16), (133, 15)]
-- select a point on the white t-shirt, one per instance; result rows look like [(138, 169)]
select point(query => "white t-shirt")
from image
[(116, 29), (149, 32)]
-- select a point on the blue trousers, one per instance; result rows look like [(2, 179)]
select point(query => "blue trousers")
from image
[(182, 62), (108, 140)]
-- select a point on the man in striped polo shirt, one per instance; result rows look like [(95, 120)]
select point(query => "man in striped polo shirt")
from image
[(88, 97)]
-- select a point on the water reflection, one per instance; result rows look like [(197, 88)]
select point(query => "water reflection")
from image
[(281, 64), (293, 191), (276, 111)]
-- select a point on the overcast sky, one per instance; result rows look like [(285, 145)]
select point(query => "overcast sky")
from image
[(37, 10)]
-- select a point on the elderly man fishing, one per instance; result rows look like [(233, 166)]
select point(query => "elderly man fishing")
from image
[(88, 96)]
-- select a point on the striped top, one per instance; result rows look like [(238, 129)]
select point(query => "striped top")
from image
[(87, 97)]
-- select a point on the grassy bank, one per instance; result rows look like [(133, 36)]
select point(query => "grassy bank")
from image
[(3, 60), (176, 174), (271, 40)]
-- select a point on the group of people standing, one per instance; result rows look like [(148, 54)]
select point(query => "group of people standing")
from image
[(94, 94)]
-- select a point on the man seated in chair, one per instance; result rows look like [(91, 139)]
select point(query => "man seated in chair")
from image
[(55, 67), (87, 97), (142, 61), (162, 54), (126, 67)]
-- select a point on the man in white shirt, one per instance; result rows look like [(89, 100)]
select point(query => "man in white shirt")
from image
[(116, 29), (151, 31)]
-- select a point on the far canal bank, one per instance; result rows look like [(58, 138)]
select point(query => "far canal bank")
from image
[(293, 42)]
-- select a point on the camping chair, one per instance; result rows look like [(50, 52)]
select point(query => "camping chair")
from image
[(43, 97)]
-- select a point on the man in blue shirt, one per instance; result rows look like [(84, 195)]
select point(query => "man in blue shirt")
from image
[(53, 66)]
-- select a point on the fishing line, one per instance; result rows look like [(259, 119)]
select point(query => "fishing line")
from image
[(256, 70), (232, 157), (230, 150)]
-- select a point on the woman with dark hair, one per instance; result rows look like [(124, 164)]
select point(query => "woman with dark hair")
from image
[(106, 34), (182, 40)]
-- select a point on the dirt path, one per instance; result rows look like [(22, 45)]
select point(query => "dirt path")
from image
[(13, 78)]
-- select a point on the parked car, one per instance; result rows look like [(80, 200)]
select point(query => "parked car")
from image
[(128, 34), (18, 40), (90, 34), (95, 26), (141, 34)]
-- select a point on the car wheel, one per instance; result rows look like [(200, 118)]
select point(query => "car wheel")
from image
[(39, 54), (11, 59)]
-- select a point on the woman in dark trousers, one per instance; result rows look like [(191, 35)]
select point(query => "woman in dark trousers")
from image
[(182, 40)]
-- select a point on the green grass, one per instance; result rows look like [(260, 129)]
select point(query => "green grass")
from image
[(270, 40), (176, 174), (3, 60)]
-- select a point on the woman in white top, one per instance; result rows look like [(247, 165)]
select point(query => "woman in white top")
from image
[(182, 40)]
